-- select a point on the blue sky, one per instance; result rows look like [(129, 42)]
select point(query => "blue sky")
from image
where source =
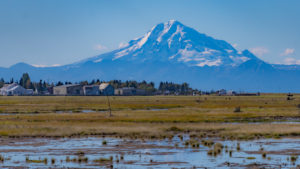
[(52, 32)]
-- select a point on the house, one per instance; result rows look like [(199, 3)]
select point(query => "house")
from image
[(125, 91), (221, 92), (129, 91), (230, 93), (91, 90), (15, 90), (106, 89), (140, 92), (224, 92), (70, 89)]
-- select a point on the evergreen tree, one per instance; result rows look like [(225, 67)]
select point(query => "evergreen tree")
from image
[(25, 81), (2, 82), (59, 83)]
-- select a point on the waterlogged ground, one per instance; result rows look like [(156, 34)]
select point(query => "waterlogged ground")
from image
[(98, 152)]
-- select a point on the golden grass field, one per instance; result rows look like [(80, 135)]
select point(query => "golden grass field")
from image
[(150, 116)]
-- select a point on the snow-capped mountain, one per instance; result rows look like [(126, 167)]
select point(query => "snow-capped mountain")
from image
[(174, 42), (174, 52)]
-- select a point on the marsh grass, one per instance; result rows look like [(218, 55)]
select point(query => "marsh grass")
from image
[(80, 153), (103, 160), (1, 158), (45, 160), (238, 147), (217, 149), (193, 143), (78, 159), (53, 160), (251, 158), (237, 109), (294, 158), (68, 159), (134, 119), (207, 143)]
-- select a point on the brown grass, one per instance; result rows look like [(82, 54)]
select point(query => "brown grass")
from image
[(133, 117)]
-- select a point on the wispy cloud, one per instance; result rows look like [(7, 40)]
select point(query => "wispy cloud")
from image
[(41, 65), (291, 61), (259, 51), (100, 47), (288, 51)]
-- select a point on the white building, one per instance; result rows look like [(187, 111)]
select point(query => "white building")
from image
[(14, 90), (106, 89)]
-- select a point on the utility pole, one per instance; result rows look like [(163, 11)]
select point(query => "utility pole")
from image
[(109, 107)]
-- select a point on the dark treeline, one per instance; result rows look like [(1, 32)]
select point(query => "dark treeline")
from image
[(175, 88), (163, 88)]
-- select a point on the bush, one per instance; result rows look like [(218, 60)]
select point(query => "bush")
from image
[(237, 109), (1, 158), (175, 129), (294, 158)]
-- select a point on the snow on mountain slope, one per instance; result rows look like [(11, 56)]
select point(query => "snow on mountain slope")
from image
[(173, 52), (175, 42)]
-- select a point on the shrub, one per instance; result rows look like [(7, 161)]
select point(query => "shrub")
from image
[(174, 128), (251, 158), (294, 158), (238, 147), (1, 158), (237, 109)]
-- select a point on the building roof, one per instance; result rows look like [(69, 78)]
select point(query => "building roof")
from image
[(10, 86), (104, 86), (68, 85), (91, 86), (13, 87)]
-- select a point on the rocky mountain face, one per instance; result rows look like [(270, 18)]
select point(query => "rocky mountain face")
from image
[(177, 43)]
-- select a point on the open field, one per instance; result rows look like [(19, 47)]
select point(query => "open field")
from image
[(150, 131), (270, 115)]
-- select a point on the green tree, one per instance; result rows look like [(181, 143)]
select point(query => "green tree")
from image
[(59, 83), (25, 81), (2, 82)]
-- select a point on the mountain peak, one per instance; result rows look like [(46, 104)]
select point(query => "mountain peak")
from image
[(165, 28), (20, 64), (172, 21), (172, 41)]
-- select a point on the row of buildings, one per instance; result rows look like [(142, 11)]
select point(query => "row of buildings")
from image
[(224, 92), (103, 89), (14, 90), (87, 90)]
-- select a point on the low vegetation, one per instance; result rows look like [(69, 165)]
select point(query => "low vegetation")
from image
[(28, 160), (152, 117)]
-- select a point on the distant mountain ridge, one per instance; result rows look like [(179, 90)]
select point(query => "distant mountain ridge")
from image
[(174, 52), (175, 42)]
